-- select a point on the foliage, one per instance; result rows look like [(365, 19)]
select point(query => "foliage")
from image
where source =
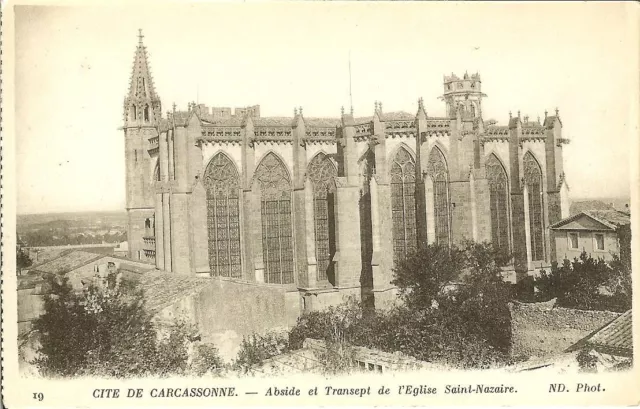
[(256, 348), (455, 312), (337, 358), (105, 331), (207, 361), (586, 361), (588, 284), (22, 259)]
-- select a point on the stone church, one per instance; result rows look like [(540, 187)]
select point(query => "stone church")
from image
[(327, 206)]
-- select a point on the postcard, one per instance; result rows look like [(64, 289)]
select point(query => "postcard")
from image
[(319, 203)]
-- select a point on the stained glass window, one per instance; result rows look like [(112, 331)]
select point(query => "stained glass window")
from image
[(322, 174), (437, 170), (498, 203), (533, 181), (277, 240), (403, 204), (222, 183)]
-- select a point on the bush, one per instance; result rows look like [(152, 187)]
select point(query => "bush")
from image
[(207, 361), (255, 349), (588, 284), (105, 331), (455, 312)]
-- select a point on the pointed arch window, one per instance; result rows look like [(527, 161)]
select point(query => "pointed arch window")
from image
[(403, 204), (499, 204), (437, 170), (277, 240), (222, 183), (322, 174), (146, 113), (367, 165), (533, 182)]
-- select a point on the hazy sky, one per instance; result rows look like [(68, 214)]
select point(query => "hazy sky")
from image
[(73, 67)]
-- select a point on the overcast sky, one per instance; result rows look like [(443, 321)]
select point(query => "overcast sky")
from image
[(73, 67)]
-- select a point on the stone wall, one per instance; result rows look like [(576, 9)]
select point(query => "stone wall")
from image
[(542, 330)]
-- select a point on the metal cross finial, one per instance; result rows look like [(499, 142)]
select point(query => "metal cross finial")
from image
[(140, 35)]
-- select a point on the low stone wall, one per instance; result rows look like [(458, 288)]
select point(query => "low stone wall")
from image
[(542, 330)]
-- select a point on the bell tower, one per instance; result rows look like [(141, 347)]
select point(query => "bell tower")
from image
[(463, 95), (142, 112)]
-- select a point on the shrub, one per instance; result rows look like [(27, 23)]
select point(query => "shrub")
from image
[(105, 331), (207, 361), (588, 284), (255, 349)]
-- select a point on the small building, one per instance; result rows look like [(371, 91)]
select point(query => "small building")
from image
[(600, 233)]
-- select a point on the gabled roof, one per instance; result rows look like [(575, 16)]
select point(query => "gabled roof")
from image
[(615, 338), (594, 220), (67, 262)]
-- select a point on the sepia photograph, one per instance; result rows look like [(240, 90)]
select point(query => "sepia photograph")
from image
[(227, 191)]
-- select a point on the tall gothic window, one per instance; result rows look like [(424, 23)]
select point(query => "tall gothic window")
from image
[(437, 169), (499, 203), (367, 166), (277, 241), (222, 183), (322, 174), (533, 181), (403, 204), (146, 113)]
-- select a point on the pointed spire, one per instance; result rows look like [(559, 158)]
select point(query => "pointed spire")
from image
[(300, 110), (342, 110), (510, 116), (142, 100), (295, 111), (351, 110), (421, 112), (557, 112), (545, 114)]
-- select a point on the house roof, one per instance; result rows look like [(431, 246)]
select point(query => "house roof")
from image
[(614, 338), (67, 262), (162, 289), (604, 220)]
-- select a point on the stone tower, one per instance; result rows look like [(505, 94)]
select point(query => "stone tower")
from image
[(141, 115)]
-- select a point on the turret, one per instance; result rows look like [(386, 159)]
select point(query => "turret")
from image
[(463, 95)]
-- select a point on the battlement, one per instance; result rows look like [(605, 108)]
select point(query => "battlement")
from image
[(221, 113), (468, 83)]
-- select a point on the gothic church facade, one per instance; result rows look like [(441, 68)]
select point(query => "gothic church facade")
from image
[(327, 206)]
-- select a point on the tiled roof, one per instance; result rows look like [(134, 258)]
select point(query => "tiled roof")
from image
[(68, 262), (323, 122), (615, 337), (230, 121), (273, 121), (162, 289), (612, 216), (398, 116), (180, 117), (363, 120), (609, 218)]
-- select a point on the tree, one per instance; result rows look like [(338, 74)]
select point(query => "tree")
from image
[(587, 283), (22, 259), (454, 311), (105, 331)]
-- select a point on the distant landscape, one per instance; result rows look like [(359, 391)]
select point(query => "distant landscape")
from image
[(58, 229)]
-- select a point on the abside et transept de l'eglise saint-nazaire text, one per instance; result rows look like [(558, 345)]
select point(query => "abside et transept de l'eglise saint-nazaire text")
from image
[(326, 206)]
